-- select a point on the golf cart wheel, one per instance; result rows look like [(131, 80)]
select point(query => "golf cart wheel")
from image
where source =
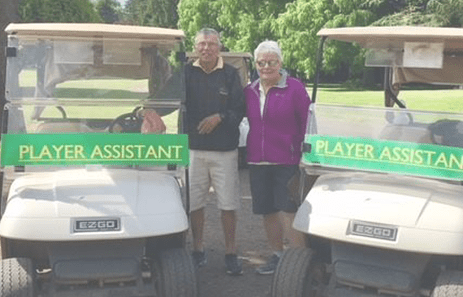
[(158, 243), (294, 275), (175, 274), (449, 284), (17, 278), (3, 248)]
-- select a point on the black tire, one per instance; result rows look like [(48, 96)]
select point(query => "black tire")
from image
[(158, 243), (17, 278), (3, 248), (293, 276), (175, 274), (449, 284)]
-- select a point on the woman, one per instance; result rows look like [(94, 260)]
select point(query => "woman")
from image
[(277, 111)]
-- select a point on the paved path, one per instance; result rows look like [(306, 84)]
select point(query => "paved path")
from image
[(252, 244)]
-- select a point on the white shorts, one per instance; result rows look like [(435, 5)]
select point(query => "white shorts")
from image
[(216, 169)]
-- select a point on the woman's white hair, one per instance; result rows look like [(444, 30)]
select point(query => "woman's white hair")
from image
[(268, 46)]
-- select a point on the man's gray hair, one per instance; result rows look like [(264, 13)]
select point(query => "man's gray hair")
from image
[(206, 32), (268, 46)]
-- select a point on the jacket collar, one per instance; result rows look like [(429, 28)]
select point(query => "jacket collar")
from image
[(219, 65), (281, 83)]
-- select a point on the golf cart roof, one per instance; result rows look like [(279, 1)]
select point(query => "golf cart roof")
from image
[(370, 37), (448, 41), (66, 30)]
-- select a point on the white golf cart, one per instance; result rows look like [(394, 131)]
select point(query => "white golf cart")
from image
[(91, 206), (385, 216)]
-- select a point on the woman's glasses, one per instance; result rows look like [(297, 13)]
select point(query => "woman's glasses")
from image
[(271, 63)]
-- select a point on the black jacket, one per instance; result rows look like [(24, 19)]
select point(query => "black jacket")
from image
[(207, 94)]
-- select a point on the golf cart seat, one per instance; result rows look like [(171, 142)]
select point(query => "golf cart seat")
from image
[(418, 134), (447, 132)]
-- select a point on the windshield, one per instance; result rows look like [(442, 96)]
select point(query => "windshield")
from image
[(421, 136), (91, 86)]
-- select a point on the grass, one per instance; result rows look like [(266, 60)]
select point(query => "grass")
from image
[(448, 100), (83, 91)]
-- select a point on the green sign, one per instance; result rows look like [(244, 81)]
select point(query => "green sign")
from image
[(94, 148), (418, 159)]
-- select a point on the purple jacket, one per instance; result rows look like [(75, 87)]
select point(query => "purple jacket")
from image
[(276, 137)]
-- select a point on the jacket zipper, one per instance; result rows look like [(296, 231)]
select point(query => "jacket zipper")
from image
[(263, 122)]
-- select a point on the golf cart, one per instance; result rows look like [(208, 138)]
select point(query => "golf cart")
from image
[(90, 205), (385, 215)]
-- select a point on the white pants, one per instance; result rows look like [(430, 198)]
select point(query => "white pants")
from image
[(216, 169)]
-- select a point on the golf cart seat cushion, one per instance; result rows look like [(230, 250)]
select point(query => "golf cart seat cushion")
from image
[(406, 133), (61, 127)]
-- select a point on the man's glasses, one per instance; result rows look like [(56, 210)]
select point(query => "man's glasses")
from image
[(271, 63)]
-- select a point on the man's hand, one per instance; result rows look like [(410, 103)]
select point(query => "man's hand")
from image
[(152, 122), (208, 124)]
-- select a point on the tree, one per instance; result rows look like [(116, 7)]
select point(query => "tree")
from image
[(158, 13), (435, 13), (249, 23), (298, 27), (447, 13), (242, 24), (110, 11), (197, 14), (294, 24), (58, 11)]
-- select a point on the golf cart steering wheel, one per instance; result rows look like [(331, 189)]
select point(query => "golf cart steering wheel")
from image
[(127, 123), (62, 111)]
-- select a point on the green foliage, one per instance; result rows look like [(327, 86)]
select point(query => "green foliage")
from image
[(157, 13), (434, 13), (58, 11), (197, 14), (448, 13), (408, 18), (294, 24), (110, 11), (299, 25), (242, 24)]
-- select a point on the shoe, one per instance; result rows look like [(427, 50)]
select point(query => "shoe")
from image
[(270, 266), (199, 258), (234, 266)]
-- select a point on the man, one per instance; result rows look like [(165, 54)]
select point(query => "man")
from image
[(215, 107)]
